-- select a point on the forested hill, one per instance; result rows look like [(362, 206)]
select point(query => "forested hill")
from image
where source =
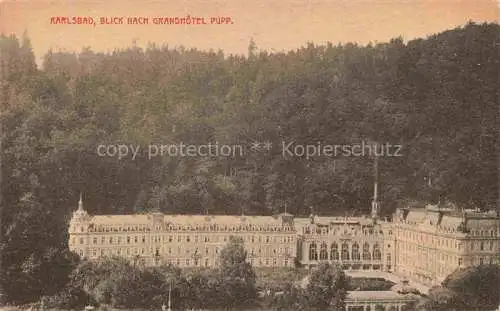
[(437, 97)]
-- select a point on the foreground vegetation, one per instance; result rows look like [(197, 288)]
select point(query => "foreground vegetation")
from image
[(115, 282), (468, 289), (435, 96)]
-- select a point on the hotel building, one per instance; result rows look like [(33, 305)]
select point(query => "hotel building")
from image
[(432, 242), (183, 240), (424, 244)]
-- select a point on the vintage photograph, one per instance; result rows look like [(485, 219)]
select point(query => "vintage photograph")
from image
[(216, 155)]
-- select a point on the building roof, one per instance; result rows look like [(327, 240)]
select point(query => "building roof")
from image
[(191, 220), (448, 218), (376, 295), (229, 220), (416, 215), (136, 219)]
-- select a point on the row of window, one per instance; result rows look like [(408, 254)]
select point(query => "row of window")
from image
[(374, 254), (207, 262), (428, 262), (254, 252), (433, 241), (491, 233), (215, 227), (170, 239), (345, 231)]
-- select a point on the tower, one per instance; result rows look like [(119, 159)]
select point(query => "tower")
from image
[(375, 202), (80, 212), (311, 216), (80, 204)]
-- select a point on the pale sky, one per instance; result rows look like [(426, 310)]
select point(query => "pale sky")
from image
[(274, 24)]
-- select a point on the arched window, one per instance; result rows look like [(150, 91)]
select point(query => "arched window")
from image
[(345, 252), (355, 252), (334, 251), (482, 246), (323, 253), (313, 252), (376, 252), (366, 252)]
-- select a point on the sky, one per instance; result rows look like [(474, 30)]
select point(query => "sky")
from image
[(275, 25)]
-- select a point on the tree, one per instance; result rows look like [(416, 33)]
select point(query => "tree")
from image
[(327, 288), (440, 299), (477, 288), (237, 276), (293, 298)]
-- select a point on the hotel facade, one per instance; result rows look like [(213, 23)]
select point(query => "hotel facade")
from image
[(424, 244)]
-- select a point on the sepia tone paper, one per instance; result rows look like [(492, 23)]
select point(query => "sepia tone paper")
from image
[(249, 155)]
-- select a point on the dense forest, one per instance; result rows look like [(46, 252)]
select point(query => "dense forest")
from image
[(437, 97)]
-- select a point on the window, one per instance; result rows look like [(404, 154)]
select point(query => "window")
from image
[(135, 239), (366, 252), (377, 255), (81, 240), (188, 239), (355, 252), (143, 239), (323, 253), (128, 240), (344, 252), (94, 240), (482, 246), (313, 252), (170, 238), (334, 251), (110, 240)]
